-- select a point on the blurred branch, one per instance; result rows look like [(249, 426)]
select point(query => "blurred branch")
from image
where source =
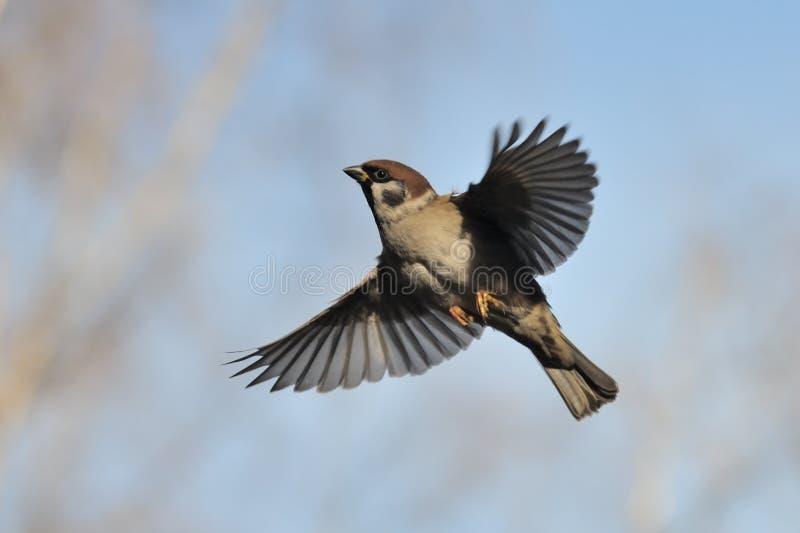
[(76, 319)]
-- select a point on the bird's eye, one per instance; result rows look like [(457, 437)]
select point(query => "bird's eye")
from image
[(381, 175)]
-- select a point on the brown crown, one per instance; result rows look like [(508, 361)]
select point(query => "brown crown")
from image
[(416, 184)]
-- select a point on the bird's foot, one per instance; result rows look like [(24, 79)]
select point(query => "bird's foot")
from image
[(461, 316), (484, 299)]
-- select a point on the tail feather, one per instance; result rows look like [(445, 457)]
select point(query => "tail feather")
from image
[(583, 387), (581, 398), (599, 379)]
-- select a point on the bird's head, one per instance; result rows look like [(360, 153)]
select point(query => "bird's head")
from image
[(392, 189)]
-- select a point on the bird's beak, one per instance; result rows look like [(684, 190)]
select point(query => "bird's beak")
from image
[(357, 173)]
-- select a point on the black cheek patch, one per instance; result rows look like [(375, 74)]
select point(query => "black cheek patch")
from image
[(393, 198)]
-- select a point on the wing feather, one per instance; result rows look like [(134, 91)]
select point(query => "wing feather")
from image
[(361, 336), (537, 193)]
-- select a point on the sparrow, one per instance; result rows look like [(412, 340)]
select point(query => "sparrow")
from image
[(452, 265)]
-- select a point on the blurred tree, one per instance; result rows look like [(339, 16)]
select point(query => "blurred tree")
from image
[(76, 78)]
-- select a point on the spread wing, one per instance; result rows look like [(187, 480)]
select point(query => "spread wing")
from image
[(538, 193), (372, 328)]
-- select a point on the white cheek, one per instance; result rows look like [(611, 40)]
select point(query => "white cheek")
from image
[(389, 199), (392, 187)]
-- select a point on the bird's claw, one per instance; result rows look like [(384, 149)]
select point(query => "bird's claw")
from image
[(461, 316), (483, 299)]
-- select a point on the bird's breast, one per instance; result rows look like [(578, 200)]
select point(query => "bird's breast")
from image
[(432, 240)]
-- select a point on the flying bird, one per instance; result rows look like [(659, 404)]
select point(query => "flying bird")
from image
[(452, 265)]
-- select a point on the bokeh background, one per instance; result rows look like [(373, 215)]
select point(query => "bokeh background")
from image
[(153, 154)]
